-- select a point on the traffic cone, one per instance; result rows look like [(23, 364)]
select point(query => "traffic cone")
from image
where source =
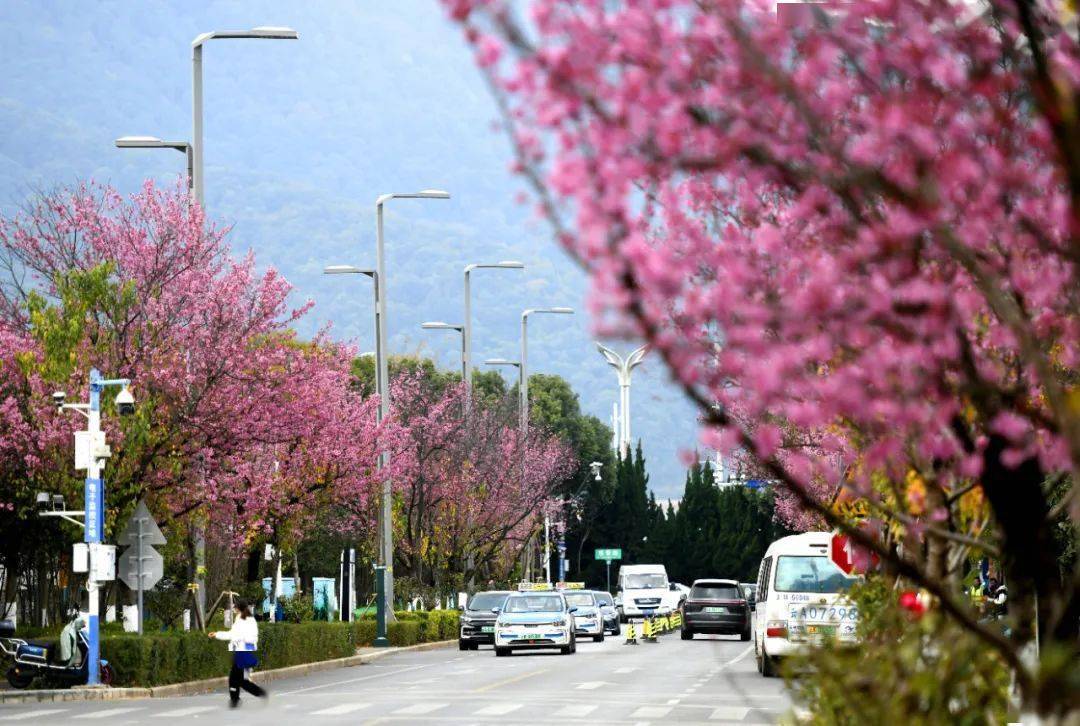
[(631, 636)]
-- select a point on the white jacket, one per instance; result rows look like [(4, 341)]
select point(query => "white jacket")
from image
[(244, 634)]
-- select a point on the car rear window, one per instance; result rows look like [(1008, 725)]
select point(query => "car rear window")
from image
[(486, 600), (579, 599), (809, 573), (714, 592), (604, 599), (534, 604)]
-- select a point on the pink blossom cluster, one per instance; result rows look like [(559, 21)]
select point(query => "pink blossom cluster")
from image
[(852, 235)]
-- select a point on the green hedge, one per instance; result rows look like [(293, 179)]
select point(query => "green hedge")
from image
[(173, 657)]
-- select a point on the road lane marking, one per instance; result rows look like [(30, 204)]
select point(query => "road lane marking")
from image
[(357, 680), (729, 713), (32, 714), (622, 671), (591, 685), (340, 710), (108, 713), (178, 712), (575, 711), (673, 702), (651, 712), (419, 709), (498, 709), (508, 681)]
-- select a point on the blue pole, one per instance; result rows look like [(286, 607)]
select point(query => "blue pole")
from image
[(94, 501)]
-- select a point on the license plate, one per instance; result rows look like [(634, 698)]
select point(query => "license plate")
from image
[(716, 610), (821, 629), (531, 636), (487, 629)]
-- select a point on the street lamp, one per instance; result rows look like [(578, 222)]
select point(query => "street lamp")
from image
[(260, 33), (439, 325), (623, 368), (91, 451), (351, 270), (523, 389), (153, 142), (467, 356), (386, 549)]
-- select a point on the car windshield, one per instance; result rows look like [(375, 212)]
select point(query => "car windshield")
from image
[(644, 582), (579, 599), (810, 573), (714, 592), (533, 604), (486, 600), (603, 598)]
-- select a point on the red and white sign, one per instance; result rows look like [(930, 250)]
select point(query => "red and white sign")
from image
[(849, 557)]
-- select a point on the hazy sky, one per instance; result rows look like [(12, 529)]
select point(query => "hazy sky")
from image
[(301, 137)]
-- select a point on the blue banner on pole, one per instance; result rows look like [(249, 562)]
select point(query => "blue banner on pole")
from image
[(93, 497)]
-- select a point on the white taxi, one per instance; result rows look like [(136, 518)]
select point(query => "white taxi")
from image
[(533, 620)]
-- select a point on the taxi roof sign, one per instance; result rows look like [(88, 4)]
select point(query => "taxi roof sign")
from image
[(534, 586), (569, 585)]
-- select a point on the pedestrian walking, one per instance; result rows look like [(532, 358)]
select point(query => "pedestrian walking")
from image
[(243, 640)]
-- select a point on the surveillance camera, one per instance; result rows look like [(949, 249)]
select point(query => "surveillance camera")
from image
[(125, 402), (58, 398), (42, 500), (58, 502)]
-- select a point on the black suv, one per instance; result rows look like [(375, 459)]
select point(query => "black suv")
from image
[(477, 620), (715, 606)]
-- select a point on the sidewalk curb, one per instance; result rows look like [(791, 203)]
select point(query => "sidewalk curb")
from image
[(191, 688)]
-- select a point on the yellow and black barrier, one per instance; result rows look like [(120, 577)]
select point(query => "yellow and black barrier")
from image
[(648, 630), (631, 634), (676, 620)]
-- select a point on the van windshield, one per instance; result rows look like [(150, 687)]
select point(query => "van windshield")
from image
[(810, 573), (644, 581)]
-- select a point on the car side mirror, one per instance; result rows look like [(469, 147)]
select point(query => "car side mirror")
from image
[(495, 610), (672, 587), (572, 610), (460, 607)]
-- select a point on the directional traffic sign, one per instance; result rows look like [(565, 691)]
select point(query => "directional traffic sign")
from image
[(152, 569), (141, 525), (608, 554), (141, 566)]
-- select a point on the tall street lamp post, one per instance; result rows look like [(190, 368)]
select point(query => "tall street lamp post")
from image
[(386, 550), (623, 367), (153, 142), (467, 355), (524, 405), (259, 33)]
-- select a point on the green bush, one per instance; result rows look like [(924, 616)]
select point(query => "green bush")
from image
[(911, 670), (298, 608), (157, 659)]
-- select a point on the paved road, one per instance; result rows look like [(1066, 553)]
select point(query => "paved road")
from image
[(709, 680)]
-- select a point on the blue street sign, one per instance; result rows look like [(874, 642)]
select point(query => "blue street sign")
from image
[(93, 496)]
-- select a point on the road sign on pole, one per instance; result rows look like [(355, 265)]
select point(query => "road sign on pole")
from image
[(141, 566), (612, 553)]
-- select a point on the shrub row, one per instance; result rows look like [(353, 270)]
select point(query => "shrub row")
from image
[(174, 657)]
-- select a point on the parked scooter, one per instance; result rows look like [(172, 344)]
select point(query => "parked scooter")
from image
[(41, 660)]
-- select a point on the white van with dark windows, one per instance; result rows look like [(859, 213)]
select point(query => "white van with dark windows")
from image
[(800, 599)]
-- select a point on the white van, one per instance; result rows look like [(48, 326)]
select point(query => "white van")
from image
[(800, 599), (645, 590)]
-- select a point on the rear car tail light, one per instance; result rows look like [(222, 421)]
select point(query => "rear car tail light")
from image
[(776, 629)]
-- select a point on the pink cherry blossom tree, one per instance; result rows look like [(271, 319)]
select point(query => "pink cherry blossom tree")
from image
[(467, 485), (238, 424), (852, 232)]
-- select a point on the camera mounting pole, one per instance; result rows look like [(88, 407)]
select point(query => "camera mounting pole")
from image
[(94, 497)]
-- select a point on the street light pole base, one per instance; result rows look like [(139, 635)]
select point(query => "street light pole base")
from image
[(380, 643)]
